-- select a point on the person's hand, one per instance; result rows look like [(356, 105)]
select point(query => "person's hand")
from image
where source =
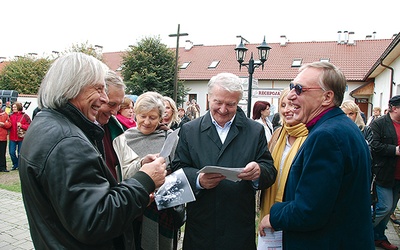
[(264, 223), (250, 172), (156, 171), (162, 126), (210, 180), (152, 198), (149, 158)]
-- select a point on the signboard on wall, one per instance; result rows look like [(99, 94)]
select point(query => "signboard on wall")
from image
[(273, 93)]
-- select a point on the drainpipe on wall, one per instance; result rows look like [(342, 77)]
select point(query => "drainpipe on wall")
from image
[(391, 77)]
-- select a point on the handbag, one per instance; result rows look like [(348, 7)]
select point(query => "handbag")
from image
[(20, 131)]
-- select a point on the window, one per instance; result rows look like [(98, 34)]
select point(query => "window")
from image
[(213, 65), (324, 60), (297, 62), (185, 65)]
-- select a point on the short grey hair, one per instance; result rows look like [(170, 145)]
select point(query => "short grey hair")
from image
[(149, 101), (228, 81), (67, 76), (112, 79), (331, 78)]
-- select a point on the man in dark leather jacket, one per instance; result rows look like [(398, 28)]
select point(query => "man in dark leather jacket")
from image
[(71, 198), (386, 167)]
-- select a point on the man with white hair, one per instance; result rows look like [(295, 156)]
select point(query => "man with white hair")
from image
[(71, 199)]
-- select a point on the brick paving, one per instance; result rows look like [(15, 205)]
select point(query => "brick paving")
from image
[(14, 229)]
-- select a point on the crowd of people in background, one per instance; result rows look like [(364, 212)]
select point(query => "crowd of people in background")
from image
[(306, 173), (13, 124)]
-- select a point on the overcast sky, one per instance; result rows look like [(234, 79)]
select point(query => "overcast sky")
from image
[(41, 26)]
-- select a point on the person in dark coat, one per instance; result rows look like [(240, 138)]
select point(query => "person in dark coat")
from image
[(386, 167), (223, 215), (182, 115), (327, 201)]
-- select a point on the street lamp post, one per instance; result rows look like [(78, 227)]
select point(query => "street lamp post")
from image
[(263, 52)]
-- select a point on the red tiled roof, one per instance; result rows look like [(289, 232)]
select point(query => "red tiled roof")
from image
[(2, 65), (113, 59), (354, 60)]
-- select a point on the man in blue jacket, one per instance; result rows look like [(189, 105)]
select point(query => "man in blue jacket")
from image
[(327, 203)]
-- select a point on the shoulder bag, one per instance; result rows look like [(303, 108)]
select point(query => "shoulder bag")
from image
[(20, 131)]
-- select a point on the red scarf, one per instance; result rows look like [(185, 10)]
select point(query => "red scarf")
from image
[(316, 119), (126, 122)]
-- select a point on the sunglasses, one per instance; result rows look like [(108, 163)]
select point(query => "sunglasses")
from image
[(299, 89)]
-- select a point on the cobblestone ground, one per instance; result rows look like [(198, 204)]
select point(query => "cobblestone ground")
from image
[(14, 229)]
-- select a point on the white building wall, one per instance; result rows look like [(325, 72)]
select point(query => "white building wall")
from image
[(382, 85), (396, 77), (200, 88), (25, 99)]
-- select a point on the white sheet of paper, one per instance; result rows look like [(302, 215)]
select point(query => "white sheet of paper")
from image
[(230, 173), (169, 143), (272, 240)]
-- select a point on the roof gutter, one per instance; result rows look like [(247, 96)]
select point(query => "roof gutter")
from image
[(391, 77), (389, 49)]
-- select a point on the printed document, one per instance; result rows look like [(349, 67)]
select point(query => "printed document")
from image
[(271, 241)]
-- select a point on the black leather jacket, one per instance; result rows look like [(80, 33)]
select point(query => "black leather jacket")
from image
[(384, 150), (71, 199)]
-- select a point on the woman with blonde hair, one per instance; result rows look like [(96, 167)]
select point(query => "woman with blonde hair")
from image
[(284, 144), (170, 118), (157, 227), (351, 109)]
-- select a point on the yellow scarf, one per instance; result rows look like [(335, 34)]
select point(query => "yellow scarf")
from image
[(275, 192)]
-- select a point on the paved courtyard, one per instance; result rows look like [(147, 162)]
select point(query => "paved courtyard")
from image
[(14, 229)]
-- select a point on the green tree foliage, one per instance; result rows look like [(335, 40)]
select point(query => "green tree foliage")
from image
[(24, 74), (150, 66)]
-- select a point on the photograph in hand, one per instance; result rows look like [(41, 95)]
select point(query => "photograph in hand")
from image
[(175, 191)]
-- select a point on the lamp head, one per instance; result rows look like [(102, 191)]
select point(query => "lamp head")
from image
[(263, 51), (240, 52)]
